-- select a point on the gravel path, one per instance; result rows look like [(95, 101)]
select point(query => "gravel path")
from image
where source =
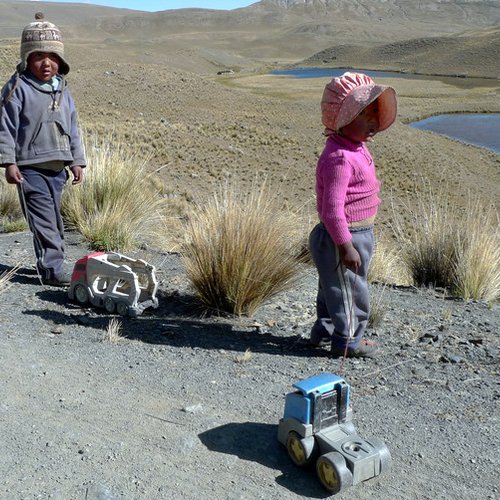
[(187, 407)]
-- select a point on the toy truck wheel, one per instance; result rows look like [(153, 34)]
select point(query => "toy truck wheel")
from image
[(109, 305), (333, 472), (300, 450), (81, 294), (122, 308)]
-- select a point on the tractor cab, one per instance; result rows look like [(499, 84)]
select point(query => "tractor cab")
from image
[(320, 401)]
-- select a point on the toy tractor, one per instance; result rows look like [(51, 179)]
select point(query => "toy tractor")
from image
[(114, 282), (317, 426)]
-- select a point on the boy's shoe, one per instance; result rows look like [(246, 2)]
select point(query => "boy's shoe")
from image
[(320, 341), (365, 349), (63, 280), (321, 333)]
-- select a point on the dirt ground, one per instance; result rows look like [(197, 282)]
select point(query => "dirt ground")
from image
[(187, 407)]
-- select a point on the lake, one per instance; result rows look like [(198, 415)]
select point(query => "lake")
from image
[(480, 129), (333, 72)]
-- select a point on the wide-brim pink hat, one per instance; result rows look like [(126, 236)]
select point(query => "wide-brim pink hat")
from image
[(347, 95)]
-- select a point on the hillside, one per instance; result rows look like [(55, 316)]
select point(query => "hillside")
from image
[(266, 31), (472, 53), (162, 96)]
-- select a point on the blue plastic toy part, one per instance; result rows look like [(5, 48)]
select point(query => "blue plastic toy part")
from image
[(300, 404), (321, 383)]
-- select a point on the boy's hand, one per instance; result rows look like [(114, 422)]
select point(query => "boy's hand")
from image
[(77, 172), (13, 174), (350, 256)]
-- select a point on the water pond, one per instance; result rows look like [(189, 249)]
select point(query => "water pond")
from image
[(480, 129), (333, 72)]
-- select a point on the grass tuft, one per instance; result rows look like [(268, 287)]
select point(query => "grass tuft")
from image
[(445, 246), (115, 208), (11, 216), (477, 268), (113, 331), (378, 307), (386, 265), (240, 251), (5, 278)]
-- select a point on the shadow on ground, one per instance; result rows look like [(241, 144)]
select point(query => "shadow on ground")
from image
[(173, 325), (257, 442)]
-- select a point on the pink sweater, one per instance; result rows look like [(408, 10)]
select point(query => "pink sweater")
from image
[(346, 186)]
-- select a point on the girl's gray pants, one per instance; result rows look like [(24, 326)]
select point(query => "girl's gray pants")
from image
[(342, 303), (40, 195)]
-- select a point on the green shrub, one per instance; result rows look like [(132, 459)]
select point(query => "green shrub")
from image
[(14, 225)]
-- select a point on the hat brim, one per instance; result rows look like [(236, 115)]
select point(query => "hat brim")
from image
[(361, 97), (47, 47)]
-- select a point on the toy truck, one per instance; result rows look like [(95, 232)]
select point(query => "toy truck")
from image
[(114, 282), (317, 427)]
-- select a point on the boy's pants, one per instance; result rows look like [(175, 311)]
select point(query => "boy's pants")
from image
[(40, 195), (342, 304)]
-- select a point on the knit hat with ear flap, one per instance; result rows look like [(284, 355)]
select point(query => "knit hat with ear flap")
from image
[(346, 96), (42, 36)]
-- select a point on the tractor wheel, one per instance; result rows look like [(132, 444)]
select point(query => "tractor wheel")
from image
[(81, 294), (301, 450), (122, 308), (109, 305), (333, 472)]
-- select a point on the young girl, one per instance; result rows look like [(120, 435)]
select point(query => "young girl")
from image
[(354, 109)]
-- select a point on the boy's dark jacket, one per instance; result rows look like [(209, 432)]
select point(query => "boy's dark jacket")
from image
[(38, 125)]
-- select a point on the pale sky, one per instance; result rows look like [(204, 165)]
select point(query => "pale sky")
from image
[(157, 5)]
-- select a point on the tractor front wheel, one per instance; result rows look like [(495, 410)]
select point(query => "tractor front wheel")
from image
[(301, 450), (333, 472)]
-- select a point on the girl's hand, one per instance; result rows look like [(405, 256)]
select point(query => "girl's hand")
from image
[(350, 256), (77, 172), (13, 174)]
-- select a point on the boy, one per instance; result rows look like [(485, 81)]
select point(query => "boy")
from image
[(39, 137)]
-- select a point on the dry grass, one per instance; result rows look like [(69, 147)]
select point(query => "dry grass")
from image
[(116, 207), (447, 246), (378, 308), (11, 216), (477, 269), (246, 357), (5, 278), (113, 331), (386, 265), (9, 200), (241, 250), (425, 230)]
